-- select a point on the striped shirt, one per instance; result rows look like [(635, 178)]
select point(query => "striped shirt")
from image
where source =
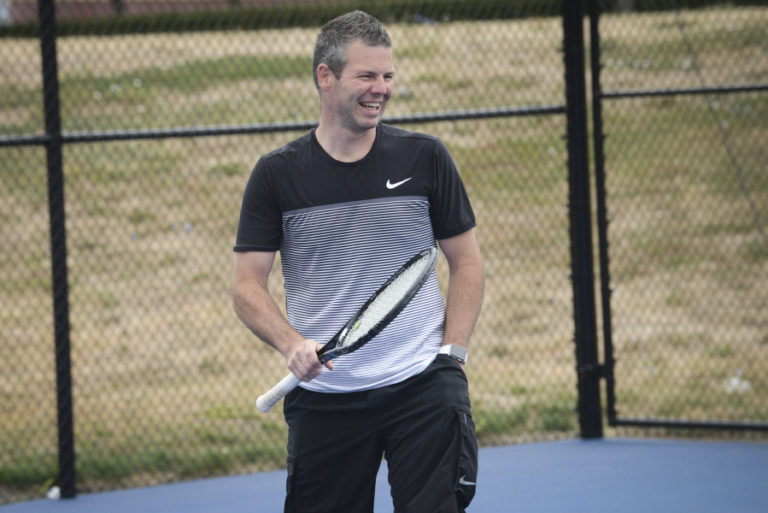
[(342, 229)]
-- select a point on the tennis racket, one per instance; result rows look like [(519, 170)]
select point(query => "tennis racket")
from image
[(380, 309)]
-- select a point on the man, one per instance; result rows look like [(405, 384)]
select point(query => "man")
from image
[(346, 205)]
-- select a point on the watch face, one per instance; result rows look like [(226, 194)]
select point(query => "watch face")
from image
[(459, 353), (456, 352)]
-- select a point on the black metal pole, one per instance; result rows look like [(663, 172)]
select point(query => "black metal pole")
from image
[(66, 479), (587, 365), (602, 210)]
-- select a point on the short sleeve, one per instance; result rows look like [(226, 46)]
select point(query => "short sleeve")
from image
[(259, 227), (450, 208)]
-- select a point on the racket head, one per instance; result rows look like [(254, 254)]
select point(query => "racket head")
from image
[(383, 306)]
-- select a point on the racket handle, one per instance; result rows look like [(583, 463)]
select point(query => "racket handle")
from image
[(266, 401)]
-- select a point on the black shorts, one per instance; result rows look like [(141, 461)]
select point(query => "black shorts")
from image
[(422, 426)]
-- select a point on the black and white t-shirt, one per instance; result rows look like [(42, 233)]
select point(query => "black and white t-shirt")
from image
[(342, 229)]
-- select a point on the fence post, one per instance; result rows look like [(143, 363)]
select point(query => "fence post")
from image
[(602, 211), (53, 146), (585, 326)]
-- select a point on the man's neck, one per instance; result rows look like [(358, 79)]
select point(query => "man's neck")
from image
[(344, 145)]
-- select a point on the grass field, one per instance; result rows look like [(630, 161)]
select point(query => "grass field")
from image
[(165, 375)]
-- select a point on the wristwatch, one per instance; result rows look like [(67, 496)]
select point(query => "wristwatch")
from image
[(455, 351)]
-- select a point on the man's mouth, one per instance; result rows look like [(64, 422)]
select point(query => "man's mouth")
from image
[(372, 106)]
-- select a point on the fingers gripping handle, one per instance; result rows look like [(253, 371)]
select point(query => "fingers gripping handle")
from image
[(265, 402)]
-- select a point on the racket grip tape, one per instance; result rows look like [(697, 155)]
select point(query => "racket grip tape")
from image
[(266, 401)]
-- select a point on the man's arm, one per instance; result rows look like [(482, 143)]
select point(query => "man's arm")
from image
[(259, 312), (466, 283)]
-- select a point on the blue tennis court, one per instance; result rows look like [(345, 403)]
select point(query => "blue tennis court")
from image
[(608, 475)]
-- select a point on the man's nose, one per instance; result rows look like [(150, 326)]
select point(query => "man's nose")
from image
[(381, 85)]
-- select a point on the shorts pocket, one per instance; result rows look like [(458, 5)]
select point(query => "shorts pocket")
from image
[(466, 475)]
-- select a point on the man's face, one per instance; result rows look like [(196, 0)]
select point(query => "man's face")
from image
[(359, 95)]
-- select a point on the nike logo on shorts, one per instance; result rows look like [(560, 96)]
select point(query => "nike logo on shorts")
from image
[(391, 185), (463, 481)]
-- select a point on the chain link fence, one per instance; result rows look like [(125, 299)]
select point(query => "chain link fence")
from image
[(163, 121), (685, 110)]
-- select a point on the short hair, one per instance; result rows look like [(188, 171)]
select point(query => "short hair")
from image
[(336, 35)]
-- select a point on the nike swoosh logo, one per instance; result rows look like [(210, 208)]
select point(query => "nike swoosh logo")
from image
[(463, 481), (391, 185)]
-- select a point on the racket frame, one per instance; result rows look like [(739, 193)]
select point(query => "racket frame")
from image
[(331, 349)]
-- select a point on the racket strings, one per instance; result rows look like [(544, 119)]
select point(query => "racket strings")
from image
[(385, 302)]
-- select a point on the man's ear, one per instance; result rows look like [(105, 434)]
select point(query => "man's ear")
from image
[(325, 76)]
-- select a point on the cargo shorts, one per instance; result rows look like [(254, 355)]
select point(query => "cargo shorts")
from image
[(422, 426)]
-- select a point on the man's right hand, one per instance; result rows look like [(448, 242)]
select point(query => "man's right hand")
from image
[(303, 361)]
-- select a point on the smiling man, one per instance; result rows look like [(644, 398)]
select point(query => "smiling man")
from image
[(345, 205)]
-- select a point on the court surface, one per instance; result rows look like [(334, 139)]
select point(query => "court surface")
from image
[(599, 476)]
